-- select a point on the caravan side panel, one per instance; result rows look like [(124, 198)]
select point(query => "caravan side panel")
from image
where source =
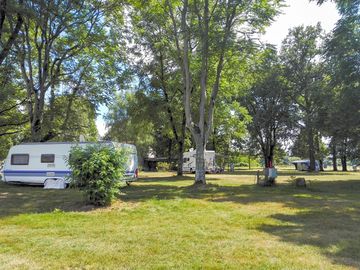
[(34, 163), (189, 161)]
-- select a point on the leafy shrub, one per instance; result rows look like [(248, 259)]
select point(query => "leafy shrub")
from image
[(163, 166), (97, 169)]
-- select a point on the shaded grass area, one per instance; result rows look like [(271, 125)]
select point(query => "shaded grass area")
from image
[(164, 222), (21, 199)]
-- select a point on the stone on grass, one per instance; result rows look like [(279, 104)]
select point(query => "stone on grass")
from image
[(300, 182)]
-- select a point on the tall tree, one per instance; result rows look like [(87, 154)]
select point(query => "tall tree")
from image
[(269, 103), (204, 34), (300, 53), (156, 68), (343, 59), (49, 44)]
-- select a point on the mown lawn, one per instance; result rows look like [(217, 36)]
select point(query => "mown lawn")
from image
[(163, 222)]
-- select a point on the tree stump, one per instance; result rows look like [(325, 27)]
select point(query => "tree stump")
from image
[(300, 182)]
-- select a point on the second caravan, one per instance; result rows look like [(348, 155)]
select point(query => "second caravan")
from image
[(189, 161)]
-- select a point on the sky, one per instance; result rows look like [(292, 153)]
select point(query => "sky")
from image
[(301, 12), (296, 12)]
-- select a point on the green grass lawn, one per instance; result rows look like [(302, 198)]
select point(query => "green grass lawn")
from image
[(163, 222)]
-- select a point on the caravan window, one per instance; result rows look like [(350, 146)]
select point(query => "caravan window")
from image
[(47, 158), (20, 159)]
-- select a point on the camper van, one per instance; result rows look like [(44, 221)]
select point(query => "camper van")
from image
[(304, 165), (34, 163), (189, 161)]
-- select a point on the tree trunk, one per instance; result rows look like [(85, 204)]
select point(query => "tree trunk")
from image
[(51, 133), (170, 142), (343, 163), (334, 156), (319, 154), (201, 131), (200, 163), (36, 130), (269, 159), (181, 145), (310, 138), (36, 120), (180, 159), (2, 15), (268, 153), (6, 48), (266, 161)]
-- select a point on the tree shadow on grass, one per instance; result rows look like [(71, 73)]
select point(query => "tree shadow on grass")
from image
[(290, 172), (329, 219), (164, 178), (21, 199), (335, 232), (327, 215)]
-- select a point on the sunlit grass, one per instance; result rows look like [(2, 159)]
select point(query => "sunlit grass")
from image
[(163, 222)]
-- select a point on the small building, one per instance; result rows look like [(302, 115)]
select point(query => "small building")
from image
[(304, 165), (150, 163)]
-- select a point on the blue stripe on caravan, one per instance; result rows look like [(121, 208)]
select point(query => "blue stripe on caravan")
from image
[(34, 173), (41, 173)]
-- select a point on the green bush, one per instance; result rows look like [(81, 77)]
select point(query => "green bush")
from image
[(97, 169), (163, 166)]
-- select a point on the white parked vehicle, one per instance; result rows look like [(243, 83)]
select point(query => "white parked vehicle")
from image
[(34, 163), (189, 161), (304, 165)]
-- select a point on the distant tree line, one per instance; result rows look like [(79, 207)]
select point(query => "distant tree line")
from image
[(180, 74)]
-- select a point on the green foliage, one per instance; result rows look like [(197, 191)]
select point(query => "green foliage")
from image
[(13, 117), (342, 121), (243, 161), (65, 59), (306, 78), (164, 166), (268, 102), (97, 169), (131, 119), (69, 57), (69, 118), (5, 143)]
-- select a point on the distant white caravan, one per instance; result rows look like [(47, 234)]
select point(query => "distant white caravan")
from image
[(189, 161)]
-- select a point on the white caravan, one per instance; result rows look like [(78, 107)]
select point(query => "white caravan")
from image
[(189, 161), (33, 163)]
